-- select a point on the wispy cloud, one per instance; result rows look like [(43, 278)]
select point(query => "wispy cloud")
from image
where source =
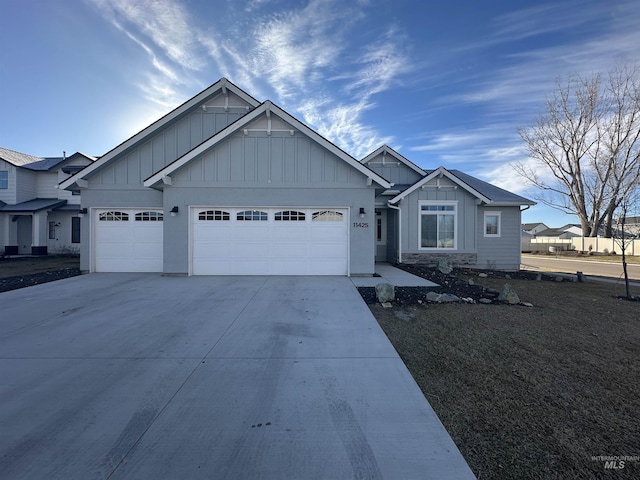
[(294, 53)]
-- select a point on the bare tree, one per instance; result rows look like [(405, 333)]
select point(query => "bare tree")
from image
[(586, 147), (623, 238)]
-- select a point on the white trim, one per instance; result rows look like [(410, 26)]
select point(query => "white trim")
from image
[(440, 171), (387, 149), (484, 224), (156, 178), (453, 203), (193, 102)]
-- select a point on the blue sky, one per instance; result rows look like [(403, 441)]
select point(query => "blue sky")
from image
[(444, 83)]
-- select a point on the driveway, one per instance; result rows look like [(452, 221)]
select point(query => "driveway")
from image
[(143, 376)]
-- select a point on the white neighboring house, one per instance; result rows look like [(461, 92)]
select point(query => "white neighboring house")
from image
[(533, 228), (36, 217)]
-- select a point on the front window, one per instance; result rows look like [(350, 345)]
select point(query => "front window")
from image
[(438, 225), (4, 179), (492, 224), (75, 230), (52, 230)]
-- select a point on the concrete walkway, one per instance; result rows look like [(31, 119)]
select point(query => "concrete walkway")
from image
[(126, 376), (392, 275)]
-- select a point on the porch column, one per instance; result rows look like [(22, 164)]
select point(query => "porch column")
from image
[(39, 233)]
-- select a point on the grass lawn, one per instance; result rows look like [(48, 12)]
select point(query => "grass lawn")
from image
[(530, 393)]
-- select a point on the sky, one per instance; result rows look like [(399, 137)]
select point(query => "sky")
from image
[(443, 83)]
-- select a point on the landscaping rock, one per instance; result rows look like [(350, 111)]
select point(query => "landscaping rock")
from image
[(508, 295), (526, 304), (386, 305), (471, 282), (483, 275), (444, 266), (442, 298), (486, 301), (558, 278), (385, 292), (538, 277)]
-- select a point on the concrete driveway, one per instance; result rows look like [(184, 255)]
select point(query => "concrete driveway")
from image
[(143, 376)]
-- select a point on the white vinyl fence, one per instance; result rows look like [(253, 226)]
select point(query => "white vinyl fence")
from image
[(583, 244)]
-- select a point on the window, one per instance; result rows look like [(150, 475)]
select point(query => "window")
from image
[(149, 217), (290, 216), (492, 224), (438, 225), (113, 217), (4, 179), (381, 227), (326, 216), (214, 215), (75, 229), (52, 230), (252, 215)]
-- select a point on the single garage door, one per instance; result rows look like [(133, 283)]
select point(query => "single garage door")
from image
[(128, 240), (269, 241)]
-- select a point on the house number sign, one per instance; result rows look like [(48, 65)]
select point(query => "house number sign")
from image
[(360, 225)]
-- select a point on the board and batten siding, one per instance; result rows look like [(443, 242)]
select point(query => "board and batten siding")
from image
[(279, 159), (399, 174), (503, 252), (26, 185), (167, 145)]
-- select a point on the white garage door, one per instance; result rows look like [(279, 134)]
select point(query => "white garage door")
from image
[(269, 241), (128, 240)]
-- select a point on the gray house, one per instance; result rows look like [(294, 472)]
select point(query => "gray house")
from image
[(227, 185), (36, 217)]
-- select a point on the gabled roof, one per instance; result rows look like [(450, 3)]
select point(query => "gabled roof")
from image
[(531, 226), (221, 85), (268, 108), (489, 194), (17, 159), (386, 149), (37, 164)]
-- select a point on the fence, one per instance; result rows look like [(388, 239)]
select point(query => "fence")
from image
[(582, 244)]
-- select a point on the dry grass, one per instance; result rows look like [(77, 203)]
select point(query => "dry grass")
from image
[(530, 393)]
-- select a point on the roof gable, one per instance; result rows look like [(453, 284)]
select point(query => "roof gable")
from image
[(205, 100), (17, 159), (267, 116), (385, 151), (486, 192)]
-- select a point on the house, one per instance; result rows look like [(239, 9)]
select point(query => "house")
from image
[(533, 228), (36, 217), (225, 185)]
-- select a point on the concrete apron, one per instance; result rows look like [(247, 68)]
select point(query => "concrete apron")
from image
[(143, 376)]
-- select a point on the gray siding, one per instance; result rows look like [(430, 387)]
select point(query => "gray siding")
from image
[(279, 159), (466, 216), (8, 195), (26, 185), (501, 253), (167, 144), (399, 174)]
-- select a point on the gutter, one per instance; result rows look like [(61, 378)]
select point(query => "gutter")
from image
[(399, 230)]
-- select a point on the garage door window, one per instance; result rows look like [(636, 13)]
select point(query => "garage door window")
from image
[(149, 217), (290, 216), (326, 216), (114, 217), (252, 215), (214, 215)]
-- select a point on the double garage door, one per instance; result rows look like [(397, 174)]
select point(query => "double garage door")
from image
[(227, 241), (269, 241)]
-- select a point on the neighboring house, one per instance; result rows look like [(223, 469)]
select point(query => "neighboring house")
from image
[(35, 216), (225, 185), (562, 233), (533, 228)]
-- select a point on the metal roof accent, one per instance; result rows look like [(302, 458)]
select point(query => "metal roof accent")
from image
[(34, 205)]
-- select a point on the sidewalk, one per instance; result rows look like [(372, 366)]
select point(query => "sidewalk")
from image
[(392, 275)]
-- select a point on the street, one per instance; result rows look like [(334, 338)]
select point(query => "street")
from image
[(601, 269)]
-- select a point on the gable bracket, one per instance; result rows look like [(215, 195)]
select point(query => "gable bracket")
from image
[(167, 180), (82, 183)]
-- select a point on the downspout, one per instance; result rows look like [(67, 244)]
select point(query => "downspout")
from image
[(399, 230)]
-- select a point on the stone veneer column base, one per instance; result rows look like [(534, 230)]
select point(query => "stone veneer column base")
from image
[(431, 259)]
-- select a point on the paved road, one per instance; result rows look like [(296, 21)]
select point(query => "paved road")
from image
[(126, 376), (602, 269)]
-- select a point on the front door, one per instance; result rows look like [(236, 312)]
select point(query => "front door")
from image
[(381, 234)]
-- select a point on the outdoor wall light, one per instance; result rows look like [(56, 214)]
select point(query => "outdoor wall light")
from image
[(82, 212), (362, 212), (174, 211)]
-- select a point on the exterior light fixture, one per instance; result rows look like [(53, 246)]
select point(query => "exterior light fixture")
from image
[(174, 211), (82, 212), (362, 212)]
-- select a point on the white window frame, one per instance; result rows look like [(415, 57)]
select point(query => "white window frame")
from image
[(484, 226), (381, 216), (4, 181), (454, 213)]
